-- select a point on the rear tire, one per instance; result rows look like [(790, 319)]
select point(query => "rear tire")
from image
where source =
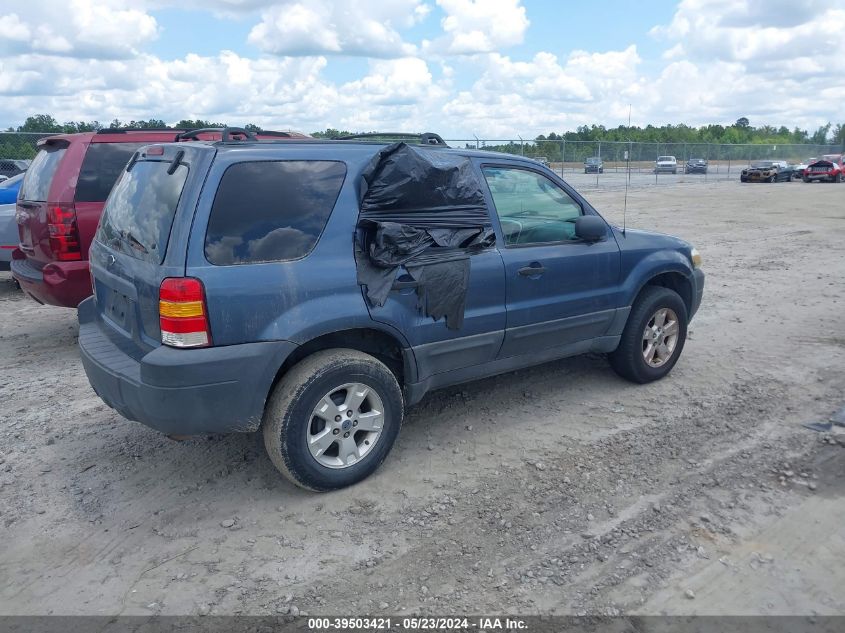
[(315, 387), (629, 359)]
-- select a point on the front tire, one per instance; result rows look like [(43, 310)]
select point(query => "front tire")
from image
[(654, 336), (332, 419)]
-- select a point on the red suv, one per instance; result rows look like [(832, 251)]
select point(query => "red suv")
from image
[(62, 197)]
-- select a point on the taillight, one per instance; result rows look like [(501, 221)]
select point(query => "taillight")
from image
[(64, 233), (182, 313)]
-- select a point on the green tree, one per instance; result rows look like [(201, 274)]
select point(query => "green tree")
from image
[(40, 123), (819, 137), (839, 134), (196, 124)]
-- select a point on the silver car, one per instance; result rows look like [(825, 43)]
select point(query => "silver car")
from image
[(8, 234)]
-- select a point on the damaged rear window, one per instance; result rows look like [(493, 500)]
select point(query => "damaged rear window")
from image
[(271, 210)]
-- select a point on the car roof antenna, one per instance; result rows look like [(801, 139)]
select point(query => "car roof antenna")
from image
[(628, 170)]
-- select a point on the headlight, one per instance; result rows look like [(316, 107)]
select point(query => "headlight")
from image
[(695, 256)]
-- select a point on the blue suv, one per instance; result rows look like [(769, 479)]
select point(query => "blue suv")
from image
[(314, 289)]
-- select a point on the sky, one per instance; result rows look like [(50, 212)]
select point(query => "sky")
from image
[(462, 68)]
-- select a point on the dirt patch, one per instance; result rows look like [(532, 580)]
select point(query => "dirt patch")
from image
[(559, 489)]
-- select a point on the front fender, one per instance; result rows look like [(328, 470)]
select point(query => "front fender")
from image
[(647, 267)]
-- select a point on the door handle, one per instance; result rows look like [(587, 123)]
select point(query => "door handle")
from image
[(531, 271)]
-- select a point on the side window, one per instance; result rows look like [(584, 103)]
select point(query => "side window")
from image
[(271, 210), (102, 166), (531, 208)]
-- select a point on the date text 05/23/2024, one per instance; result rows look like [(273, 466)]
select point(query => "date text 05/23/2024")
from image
[(416, 624)]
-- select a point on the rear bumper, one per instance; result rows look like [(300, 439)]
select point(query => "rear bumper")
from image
[(62, 284), (181, 391)]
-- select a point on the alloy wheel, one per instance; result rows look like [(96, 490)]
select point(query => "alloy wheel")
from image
[(660, 337), (345, 425)]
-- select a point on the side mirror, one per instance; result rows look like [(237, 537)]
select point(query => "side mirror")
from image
[(590, 228)]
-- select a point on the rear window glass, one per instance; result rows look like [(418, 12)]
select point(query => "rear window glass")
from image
[(271, 211), (36, 184), (101, 168), (140, 209)]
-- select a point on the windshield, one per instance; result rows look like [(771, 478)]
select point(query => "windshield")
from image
[(761, 164), (665, 159), (593, 161), (140, 209)]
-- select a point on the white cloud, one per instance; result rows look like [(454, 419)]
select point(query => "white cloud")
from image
[(767, 60), (755, 31), (543, 94), (281, 93), (479, 26), (91, 59), (395, 95), (105, 29), (330, 27)]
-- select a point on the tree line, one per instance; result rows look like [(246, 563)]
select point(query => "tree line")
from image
[(741, 132)]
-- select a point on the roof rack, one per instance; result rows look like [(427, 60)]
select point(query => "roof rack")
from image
[(426, 138), (123, 130), (273, 133), (226, 134)]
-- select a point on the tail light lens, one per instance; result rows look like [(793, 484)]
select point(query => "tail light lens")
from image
[(64, 233), (182, 313)]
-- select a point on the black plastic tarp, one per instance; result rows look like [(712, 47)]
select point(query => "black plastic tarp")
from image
[(422, 209)]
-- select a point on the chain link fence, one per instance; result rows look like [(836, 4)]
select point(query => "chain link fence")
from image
[(568, 158), (19, 145), (636, 161)]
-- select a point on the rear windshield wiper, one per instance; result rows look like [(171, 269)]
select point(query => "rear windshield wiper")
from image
[(134, 242)]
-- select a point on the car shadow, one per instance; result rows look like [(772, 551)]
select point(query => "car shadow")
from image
[(237, 463)]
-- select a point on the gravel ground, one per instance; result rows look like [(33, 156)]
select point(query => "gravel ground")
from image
[(560, 489)]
